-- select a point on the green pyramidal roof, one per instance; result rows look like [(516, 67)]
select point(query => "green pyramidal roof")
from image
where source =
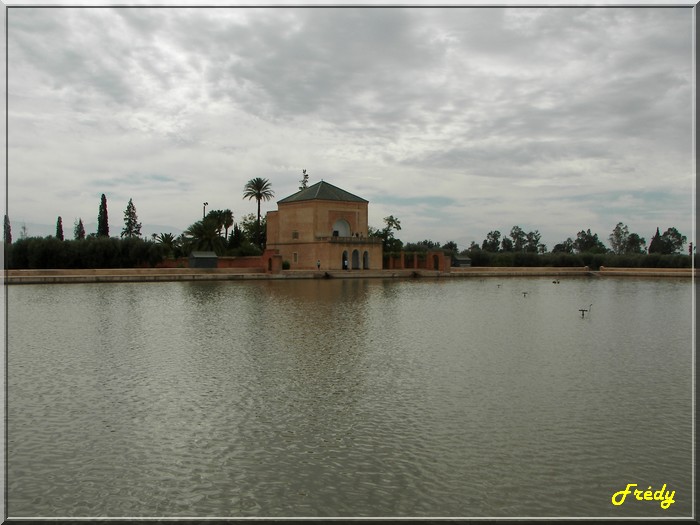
[(322, 191)]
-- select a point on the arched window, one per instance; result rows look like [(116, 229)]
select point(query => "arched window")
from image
[(341, 228)]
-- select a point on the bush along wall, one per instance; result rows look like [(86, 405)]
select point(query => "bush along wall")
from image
[(95, 252), (593, 260)]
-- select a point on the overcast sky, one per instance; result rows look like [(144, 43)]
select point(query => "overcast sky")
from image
[(457, 121)]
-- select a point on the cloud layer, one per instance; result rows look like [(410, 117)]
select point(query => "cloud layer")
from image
[(457, 121)]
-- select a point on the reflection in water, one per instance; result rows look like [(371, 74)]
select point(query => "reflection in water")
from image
[(353, 397)]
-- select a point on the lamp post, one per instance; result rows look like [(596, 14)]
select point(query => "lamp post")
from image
[(204, 210)]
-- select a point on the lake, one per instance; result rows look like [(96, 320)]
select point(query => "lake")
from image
[(457, 397)]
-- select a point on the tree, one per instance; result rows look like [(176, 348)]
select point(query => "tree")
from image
[(304, 180), (132, 226), (428, 244), (251, 230), (564, 247), (236, 238), (532, 242), (672, 241), (451, 250), (492, 241), (79, 230), (623, 242), (506, 245), (635, 244), (258, 189), (390, 244), (204, 235), (223, 219), (450, 246), (519, 239), (168, 241), (218, 217), (102, 220), (227, 218), (59, 228), (8, 230), (392, 224), (588, 242), (422, 246), (656, 246), (618, 238), (182, 246), (669, 243)]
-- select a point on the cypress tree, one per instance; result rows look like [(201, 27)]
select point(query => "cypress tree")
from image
[(656, 245), (59, 228), (236, 237), (79, 230), (8, 230), (102, 222), (132, 228)]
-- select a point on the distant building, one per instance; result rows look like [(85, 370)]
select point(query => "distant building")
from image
[(461, 260), (323, 227), (203, 260)]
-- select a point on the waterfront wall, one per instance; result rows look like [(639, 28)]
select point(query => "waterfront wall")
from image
[(646, 272), (220, 274), (525, 271), (222, 262)]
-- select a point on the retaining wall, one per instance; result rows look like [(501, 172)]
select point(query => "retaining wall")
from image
[(220, 274)]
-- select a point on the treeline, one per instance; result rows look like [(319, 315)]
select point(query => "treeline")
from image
[(520, 248), (593, 260), (99, 250), (92, 252)]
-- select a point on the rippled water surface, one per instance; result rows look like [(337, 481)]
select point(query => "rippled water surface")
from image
[(357, 398)]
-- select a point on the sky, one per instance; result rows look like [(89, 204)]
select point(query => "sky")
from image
[(455, 120)]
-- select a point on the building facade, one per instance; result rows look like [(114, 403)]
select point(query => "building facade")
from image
[(323, 227)]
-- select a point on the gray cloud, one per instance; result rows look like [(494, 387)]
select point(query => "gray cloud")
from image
[(496, 110)]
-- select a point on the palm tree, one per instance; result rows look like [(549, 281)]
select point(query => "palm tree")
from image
[(223, 218), (227, 220), (204, 235), (168, 241), (258, 189), (218, 217)]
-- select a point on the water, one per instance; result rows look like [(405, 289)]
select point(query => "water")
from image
[(349, 398)]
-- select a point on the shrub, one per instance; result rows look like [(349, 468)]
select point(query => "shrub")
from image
[(480, 258), (93, 252)]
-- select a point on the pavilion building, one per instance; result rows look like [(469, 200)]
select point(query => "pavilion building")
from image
[(323, 227)]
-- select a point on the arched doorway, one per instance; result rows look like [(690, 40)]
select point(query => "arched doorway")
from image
[(355, 260), (365, 260), (341, 228), (344, 262), (436, 262)]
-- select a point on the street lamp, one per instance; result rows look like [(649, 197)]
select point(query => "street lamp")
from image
[(204, 211)]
